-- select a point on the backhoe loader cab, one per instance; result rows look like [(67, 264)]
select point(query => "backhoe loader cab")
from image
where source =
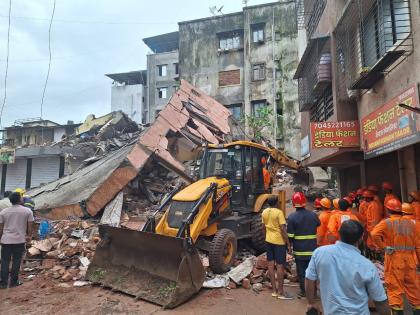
[(242, 166), (161, 263)]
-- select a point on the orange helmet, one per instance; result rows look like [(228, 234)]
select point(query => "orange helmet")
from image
[(326, 203), (368, 194), (407, 208), (373, 188), (298, 200), (335, 203), (393, 205), (415, 195), (386, 186)]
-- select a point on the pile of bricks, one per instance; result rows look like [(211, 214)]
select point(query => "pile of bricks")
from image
[(65, 253)]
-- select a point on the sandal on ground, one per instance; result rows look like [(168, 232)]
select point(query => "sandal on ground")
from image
[(285, 296)]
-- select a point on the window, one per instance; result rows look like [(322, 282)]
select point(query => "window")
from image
[(258, 72), (258, 33), (386, 23), (323, 107), (236, 110), (257, 106), (176, 65), (277, 35), (162, 70), (162, 92), (230, 41)]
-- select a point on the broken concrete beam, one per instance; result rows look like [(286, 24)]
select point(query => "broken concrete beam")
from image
[(242, 271)]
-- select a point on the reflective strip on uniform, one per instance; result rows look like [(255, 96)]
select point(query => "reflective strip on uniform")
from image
[(291, 235), (303, 253), (305, 237), (403, 247)]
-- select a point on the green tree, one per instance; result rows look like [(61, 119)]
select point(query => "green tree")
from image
[(258, 123)]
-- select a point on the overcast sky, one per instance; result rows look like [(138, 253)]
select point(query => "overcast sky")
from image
[(89, 39)]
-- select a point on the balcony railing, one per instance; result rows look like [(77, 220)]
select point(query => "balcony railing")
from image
[(372, 38), (313, 72)]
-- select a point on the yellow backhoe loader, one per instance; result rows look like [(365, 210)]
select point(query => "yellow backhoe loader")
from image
[(161, 263)]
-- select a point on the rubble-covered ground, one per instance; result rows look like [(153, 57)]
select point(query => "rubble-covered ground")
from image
[(45, 296)]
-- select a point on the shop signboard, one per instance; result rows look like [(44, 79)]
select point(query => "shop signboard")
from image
[(7, 156), (392, 127), (335, 134)]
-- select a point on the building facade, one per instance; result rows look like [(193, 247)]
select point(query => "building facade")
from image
[(129, 93), (162, 72), (359, 64), (246, 60)]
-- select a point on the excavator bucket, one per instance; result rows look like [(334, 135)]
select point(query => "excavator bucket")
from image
[(160, 269)]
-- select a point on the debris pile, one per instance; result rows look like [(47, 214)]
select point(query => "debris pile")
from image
[(250, 272), (65, 253)]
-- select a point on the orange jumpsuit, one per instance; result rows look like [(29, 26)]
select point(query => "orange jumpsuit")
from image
[(267, 178), (416, 206), (335, 222), (321, 232), (399, 236), (374, 214), (362, 212)]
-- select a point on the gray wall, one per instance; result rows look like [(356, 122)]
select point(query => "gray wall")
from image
[(155, 81), (129, 99)]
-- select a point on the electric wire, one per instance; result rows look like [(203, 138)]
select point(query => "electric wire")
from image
[(7, 64), (49, 61)]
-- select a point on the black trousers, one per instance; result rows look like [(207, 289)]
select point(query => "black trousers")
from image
[(301, 265), (14, 253)]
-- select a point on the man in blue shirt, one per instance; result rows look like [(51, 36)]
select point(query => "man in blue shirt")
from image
[(347, 279)]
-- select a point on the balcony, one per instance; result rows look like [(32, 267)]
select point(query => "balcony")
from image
[(372, 38), (309, 13), (313, 72)]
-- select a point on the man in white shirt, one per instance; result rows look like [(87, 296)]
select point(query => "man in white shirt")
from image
[(15, 230)]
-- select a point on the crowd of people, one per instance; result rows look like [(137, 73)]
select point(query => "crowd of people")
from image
[(335, 244)]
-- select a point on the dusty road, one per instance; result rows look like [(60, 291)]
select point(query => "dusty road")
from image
[(45, 297)]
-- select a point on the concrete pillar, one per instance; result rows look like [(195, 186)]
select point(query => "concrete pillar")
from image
[(407, 167)]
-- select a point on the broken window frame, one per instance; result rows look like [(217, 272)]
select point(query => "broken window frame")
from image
[(162, 92), (258, 33), (257, 104), (162, 70), (258, 71), (236, 110), (230, 41)]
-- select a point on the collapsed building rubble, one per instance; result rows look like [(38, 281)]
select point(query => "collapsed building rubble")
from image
[(189, 119)]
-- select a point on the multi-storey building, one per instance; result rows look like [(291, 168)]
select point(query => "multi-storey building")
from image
[(162, 72), (128, 93), (246, 60), (360, 62)]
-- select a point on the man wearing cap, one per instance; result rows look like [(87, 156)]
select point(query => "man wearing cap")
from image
[(374, 214), (337, 220), (324, 218), (398, 237)]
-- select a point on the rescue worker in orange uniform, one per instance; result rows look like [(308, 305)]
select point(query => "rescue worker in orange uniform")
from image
[(398, 236), (337, 219), (374, 214), (388, 194), (335, 209), (414, 197), (374, 189), (266, 174), (324, 217)]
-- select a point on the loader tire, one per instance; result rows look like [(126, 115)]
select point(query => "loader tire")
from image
[(222, 251), (257, 233)]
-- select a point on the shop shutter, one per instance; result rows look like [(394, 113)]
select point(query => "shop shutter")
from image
[(44, 170), (16, 175)]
